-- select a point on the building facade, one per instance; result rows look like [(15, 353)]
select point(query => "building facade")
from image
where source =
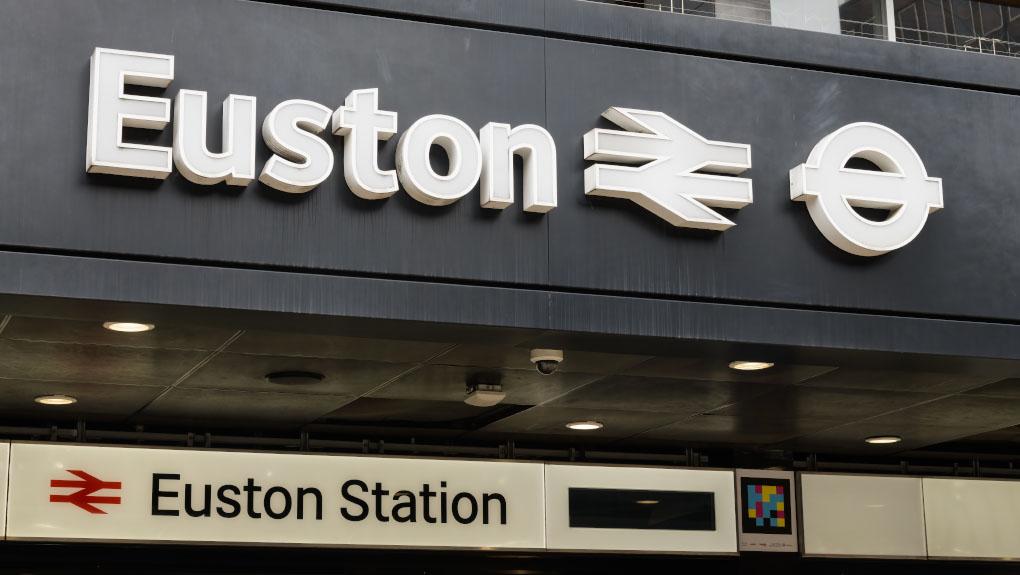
[(529, 286)]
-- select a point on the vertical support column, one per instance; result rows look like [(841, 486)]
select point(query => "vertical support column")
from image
[(890, 19)]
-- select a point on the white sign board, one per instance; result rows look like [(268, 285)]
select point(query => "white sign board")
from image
[(862, 516), (67, 492), (640, 509), (972, 518)]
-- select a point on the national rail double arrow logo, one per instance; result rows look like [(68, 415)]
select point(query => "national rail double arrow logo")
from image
[(673, 171), (86, 486)]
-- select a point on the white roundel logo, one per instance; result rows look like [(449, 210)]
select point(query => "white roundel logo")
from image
[(832, 191)]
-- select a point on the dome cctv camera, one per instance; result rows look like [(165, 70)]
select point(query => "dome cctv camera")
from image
[(546, 361)]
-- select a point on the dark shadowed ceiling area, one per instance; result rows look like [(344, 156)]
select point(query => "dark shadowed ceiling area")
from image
[(207, 377)]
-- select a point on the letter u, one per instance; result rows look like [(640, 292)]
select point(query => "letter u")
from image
[(206, 509)]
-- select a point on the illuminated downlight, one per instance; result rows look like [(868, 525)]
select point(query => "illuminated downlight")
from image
[(584, 425), (55, 400), (883, 439), (128, 326), (750, 365)]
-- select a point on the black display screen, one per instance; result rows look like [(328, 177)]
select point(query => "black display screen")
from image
[(642, 509)]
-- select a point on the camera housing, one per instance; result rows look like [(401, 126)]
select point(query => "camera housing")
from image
[(483, 395), (546, 361), (484, 390)]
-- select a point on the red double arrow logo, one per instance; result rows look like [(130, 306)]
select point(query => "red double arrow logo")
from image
[(86, 485)]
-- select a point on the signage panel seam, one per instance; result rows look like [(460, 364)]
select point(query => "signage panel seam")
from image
[(7, 490)]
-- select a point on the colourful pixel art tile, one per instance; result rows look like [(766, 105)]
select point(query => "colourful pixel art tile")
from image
[(765, 505)]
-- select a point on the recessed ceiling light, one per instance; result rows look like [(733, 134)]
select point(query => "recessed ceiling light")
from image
[(56, 400), (128, 326), (883, 439), (647, 502), (750, 365), (294, 377), (584, 425)]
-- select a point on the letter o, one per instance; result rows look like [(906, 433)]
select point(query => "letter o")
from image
[(268, 503), (415, 170), (455, 505)]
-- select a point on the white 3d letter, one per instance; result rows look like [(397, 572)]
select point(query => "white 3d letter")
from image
[(832, 191), (415, 169), (362, 125), (302, 160), (666, 184), (236, 164), (538, 150), (110, 111)]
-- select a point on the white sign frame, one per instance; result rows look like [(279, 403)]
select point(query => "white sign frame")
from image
[(769, 542), (5, 457)]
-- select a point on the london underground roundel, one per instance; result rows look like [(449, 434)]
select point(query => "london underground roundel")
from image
[(833, 192)]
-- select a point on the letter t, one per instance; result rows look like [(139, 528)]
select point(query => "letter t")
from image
[(363, 125)]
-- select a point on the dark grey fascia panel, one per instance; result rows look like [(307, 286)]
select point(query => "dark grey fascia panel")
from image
[(64, 285), (432, 268), (959, 266), (612, 24), (865, 56), (524, 14)]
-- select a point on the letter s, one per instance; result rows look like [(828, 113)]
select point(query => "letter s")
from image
[(301, 160), (345, 491)]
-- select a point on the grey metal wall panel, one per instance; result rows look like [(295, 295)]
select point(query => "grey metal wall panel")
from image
[(958, 265), (502, 13), (622, 24), (609, 23)]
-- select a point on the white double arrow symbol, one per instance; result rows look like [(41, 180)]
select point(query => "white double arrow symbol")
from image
[(666, 181)]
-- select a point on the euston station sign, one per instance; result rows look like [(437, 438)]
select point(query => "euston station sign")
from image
[(127, 494), (70, 492), (75, 492), (653, 160)]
